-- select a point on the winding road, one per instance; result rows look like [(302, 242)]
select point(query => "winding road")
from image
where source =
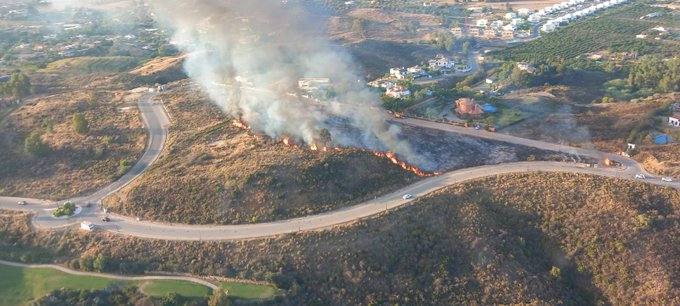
[(156, 120)]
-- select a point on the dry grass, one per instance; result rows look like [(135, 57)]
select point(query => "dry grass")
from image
[(77, 163), (491, 241), (214, 172)]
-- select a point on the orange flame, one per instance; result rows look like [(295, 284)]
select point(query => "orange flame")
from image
[(240, 124), (395, 160)]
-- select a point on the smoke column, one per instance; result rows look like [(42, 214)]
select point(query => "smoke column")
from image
[(249, 55)]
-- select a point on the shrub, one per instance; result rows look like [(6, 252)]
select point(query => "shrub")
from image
[(68, 209), (34, 144), (80, 124)]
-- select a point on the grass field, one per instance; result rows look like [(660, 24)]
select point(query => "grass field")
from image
[(163, 287), (88, 64), (249, 291), (18, 286)]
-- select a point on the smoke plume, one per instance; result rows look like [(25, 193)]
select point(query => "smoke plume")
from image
[(249, 55)]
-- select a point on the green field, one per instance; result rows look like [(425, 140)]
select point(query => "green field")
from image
[(88, 64), (163, 287), (614, 30), (249, 291), (18, 286)]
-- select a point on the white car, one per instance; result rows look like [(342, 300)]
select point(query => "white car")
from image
[(22, 203), (407, 196), (640, 176), (666, 179)]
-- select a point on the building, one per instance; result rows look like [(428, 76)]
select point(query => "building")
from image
[(467, 107), (490, 34), (524, 66), (312, 84), (398, 73), (508, 34), (441, 62), (674, 120), (476, 32), (510, 15), (416, 72), (397, 92), (482, 23), (457, 31)]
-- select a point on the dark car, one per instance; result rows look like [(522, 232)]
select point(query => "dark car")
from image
[(106, 219)]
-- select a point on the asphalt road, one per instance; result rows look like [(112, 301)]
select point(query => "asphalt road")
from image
[(157, 122)]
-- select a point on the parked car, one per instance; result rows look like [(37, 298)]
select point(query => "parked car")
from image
[(407, 196), (22, 203), (666, 179), (106, 219), (640, 176)]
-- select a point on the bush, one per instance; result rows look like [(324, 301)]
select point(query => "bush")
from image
[(34, 144), (68, 209), (555, 272), (80, 124)]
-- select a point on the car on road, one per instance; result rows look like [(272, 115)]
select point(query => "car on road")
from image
[(22, 203), (407, 196), (640, 176), (666, 179), (106, 219)]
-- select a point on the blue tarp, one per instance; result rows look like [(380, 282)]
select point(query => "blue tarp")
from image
[(662, 139), (488, 108)]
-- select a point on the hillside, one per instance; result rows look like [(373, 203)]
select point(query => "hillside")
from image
[(72, 163), (533, 238), (215, 172)]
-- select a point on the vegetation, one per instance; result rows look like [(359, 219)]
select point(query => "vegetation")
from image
[(18, 86), (65, 210), (614, 30), (80, 124), (18, 286), (661, 75), (80, 65), (219, 173), (247, 291), (68, 164), (489, 241), (34, 145)]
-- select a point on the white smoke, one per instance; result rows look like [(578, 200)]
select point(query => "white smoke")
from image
[(249, 55)]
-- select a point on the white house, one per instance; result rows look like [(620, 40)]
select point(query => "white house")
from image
[(523, 12), (415, 71), (441, 62), (398, 92), (674, 120), (398, 73), (482, 23), (510, 15)]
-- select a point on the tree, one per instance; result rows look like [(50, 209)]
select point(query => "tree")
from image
[(219, 298), (466, 47), (18, 86), (80, 124), (34, 145), (100, 263)]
